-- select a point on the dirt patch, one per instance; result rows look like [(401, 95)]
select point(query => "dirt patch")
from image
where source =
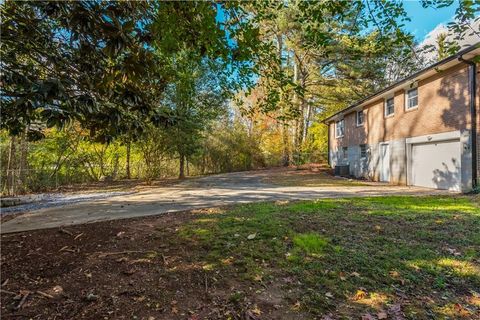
[(134, 268), (310, 175)]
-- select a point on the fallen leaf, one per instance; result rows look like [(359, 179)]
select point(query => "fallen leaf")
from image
[(394, 274), (460, 310), (359, 295), (355, 274), (367, 316), (257, 278), (454, 251), (256, 310), (57, 290), (329, 295), (296, 306), (143, 260), (251, 236), (382, 315), (396, 311)]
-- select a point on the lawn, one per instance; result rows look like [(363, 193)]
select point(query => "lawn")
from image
[(360, 258)]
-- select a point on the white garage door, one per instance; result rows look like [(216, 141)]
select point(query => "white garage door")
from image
[(436, 165)]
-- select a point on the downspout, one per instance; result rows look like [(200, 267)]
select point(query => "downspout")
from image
[(473, 114), (328, 145)]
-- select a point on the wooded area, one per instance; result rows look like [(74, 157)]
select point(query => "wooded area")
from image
[(99, 90)]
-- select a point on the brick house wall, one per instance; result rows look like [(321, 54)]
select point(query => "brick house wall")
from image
[(443, 106), (478, 123)]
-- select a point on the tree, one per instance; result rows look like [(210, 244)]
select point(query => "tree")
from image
[(192, 101), (103, 64)]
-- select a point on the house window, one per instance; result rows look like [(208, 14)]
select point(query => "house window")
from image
[(360, 118), (345, 153), (389, 107), (340, 128), (412, 98), (363, 151)]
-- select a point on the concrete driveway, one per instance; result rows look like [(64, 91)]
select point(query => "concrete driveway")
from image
[(204, 192)]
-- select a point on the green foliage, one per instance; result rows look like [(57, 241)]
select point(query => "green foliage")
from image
[(104, 64)]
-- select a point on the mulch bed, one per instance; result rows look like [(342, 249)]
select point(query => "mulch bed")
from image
[(125, 269)]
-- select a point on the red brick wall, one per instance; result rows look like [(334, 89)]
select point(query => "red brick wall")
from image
[(443, 106)]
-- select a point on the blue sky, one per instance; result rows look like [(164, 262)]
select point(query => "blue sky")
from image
[(425, 20)]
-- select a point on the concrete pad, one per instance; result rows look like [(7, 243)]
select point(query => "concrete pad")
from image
[(211, 191)]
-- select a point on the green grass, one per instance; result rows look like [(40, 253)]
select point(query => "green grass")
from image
[(311, 243), (421, 252)]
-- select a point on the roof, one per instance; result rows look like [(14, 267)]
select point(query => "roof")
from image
[(447, 62)]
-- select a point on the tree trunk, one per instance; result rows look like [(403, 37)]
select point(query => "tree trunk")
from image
[(181, 174), (11, 168), (285, 151), (115, 166), (129, 175), (307, 121), (23, 161)]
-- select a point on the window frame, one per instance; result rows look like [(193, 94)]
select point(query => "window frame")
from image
[(407, 98), (344, 153), (356, 117), (363, 145), (343, 128), (385, 107)]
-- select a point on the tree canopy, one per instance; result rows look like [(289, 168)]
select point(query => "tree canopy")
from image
[(191, 81)]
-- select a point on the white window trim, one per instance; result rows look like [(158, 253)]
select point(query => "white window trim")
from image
[(413, 86), (336, 131), (385, 107), (356, 118)]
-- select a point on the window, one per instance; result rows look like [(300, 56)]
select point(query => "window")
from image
[(412, 98), (340, 128), (345, 153), (363, 151), (360, 118), (389, 107)]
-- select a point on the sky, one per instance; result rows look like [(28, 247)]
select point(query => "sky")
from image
[(428, 23), (425, 20)]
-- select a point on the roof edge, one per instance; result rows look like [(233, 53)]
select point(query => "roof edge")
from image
[(410, 77)]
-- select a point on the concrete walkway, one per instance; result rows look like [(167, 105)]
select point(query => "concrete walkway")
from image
[(210, 191)]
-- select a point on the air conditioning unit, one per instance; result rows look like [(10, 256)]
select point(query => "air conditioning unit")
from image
[(343, 170)]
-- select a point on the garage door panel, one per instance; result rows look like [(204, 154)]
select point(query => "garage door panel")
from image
[(436, 165)]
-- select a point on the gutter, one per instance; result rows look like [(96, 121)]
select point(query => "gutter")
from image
[(473, 114), (328, 145), (458, 56)]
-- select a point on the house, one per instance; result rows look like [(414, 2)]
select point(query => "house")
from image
[(420, 131)]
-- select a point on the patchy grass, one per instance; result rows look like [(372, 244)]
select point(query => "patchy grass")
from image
[(415, 256), (398, 257), (307, 178)]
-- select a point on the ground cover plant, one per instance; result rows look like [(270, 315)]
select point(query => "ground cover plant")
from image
[(396, 257)]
